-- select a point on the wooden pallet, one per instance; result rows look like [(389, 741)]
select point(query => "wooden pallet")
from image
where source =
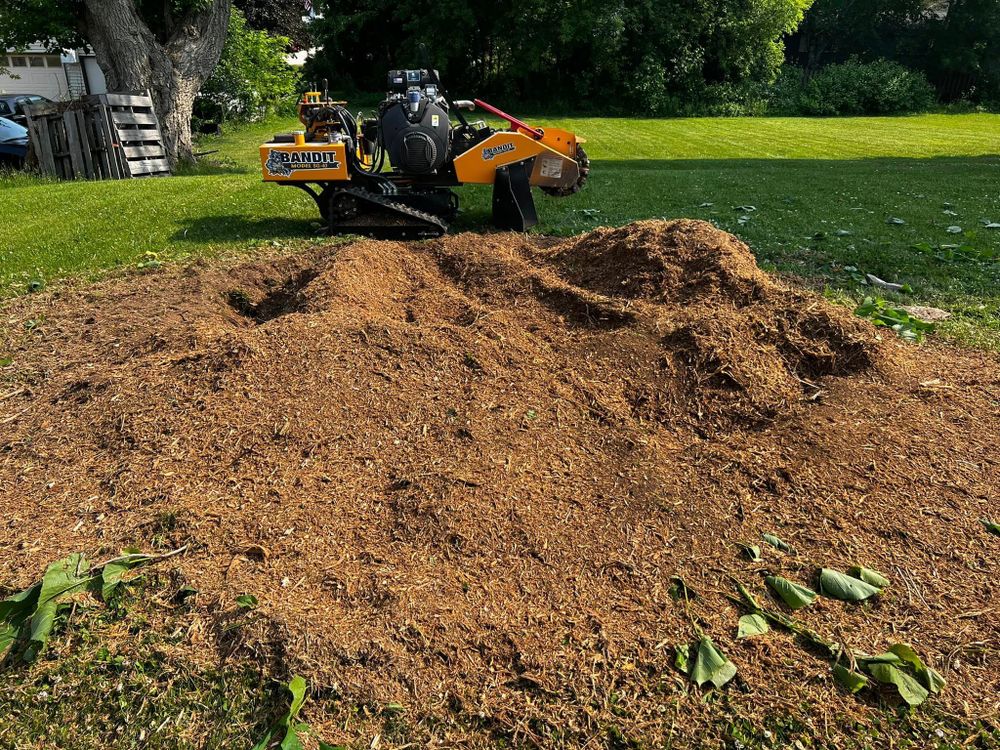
[(102, 137)]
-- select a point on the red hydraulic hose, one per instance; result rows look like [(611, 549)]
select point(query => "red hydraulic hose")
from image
[(515, 123)]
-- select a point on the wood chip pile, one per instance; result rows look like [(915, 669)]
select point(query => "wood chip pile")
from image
[(461, 475)]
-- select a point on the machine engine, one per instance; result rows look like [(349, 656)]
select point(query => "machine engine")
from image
[(414, 126)]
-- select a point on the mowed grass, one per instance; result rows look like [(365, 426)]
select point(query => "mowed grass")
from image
[(810, 196)]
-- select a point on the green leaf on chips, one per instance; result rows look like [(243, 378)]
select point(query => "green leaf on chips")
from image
[(838, 585), (751, 625), (793, 594), (710, 665), (869, 575)]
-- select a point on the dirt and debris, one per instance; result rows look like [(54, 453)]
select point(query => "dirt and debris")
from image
[(461, 475), (926, 314)]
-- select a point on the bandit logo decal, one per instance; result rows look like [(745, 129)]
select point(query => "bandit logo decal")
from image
[(493, 151), (283, 163), (276, 167)]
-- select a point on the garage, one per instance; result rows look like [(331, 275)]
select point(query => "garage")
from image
[(34, 73)]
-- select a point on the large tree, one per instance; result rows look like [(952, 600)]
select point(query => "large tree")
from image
[(167, 46)]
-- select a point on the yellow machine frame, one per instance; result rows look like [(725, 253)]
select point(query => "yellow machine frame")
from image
[(555, 151), (346, 183)]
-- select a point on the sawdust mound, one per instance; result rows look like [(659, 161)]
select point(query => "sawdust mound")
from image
[(745, 346), (677, 261), (459, 475)]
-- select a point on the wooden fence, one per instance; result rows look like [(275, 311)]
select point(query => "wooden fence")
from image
[(102, 137)]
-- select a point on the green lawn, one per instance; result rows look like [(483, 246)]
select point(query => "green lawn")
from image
[(822, 189)]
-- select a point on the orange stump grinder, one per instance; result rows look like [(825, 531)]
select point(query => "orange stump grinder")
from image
[(340, 160)]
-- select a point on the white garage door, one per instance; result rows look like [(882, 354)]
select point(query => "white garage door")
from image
[(34, 74)]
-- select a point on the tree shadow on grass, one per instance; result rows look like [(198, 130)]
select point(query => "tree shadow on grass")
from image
[(206, 167), (236, 228), (796, 191)]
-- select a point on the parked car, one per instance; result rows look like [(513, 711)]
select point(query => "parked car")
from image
[(12, 107), (13, 142)]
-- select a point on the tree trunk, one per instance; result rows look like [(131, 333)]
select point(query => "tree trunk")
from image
[(172, 65)]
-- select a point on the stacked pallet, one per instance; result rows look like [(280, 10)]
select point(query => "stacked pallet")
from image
[(102, 137)]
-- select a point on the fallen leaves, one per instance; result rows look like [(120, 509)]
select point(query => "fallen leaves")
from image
[(793, 594), (778, 543), (710, 665), (751, 625), (27, 619), (838, 585), (882, 313)]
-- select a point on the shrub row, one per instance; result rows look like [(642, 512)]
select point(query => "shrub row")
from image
[(882, 87)]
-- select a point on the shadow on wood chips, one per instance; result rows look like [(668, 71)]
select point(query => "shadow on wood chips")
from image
[(458, 475)]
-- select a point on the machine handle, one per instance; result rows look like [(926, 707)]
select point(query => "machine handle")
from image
[(514, 122)]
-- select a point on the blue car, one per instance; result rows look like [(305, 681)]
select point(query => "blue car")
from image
[(13, 142)]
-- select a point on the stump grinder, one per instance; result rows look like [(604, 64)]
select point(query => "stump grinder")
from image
[(340, 160)]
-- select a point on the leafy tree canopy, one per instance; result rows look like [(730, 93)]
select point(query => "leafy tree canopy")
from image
[(590, 53), (956, 41), (252, 77), (62, 23), (24, 22), (278, 17)]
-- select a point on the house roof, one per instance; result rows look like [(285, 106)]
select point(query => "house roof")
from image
[(67, 55)]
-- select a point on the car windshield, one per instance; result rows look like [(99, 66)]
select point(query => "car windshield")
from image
[(11, 131), (28, 100)]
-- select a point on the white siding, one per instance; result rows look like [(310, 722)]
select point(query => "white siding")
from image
[(34, 73)]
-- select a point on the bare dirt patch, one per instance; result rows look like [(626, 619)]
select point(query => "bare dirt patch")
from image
[(459, 475)]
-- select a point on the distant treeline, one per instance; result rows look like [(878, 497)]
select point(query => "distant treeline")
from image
[(668, 56), (955, 43)]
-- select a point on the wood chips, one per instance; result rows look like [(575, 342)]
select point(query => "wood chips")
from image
[(459, 476)]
